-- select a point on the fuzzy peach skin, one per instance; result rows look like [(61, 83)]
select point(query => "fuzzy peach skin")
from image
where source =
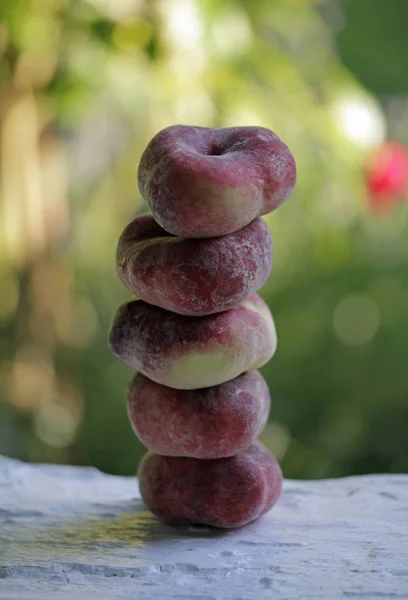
[(207, 182), (193, 276), (228, 492), (212, 422), (193, 352)]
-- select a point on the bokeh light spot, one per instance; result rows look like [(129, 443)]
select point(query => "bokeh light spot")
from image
[(32, 378), (77, 324), (232, 33), (342, 429), (276, 438), (183, 23), (55, 425), (360, 120), (356, 319)]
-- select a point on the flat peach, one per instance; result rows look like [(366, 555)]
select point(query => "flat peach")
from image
[(208, 182), (212, 422), (228, 492), (193, 352), (193, 276)]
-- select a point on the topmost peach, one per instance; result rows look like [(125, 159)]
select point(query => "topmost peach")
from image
[(207, 182)]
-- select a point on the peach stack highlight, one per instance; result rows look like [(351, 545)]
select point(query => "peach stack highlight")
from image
[(197, 331)]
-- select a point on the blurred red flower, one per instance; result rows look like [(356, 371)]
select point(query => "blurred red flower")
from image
[(387, 176)]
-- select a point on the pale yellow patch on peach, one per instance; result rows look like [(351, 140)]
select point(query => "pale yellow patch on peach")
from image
[(233, 197), (263, 311), (200, 370), (157, 241), (216, 195)]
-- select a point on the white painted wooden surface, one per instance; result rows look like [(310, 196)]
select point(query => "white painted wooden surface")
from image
[(68, 532)]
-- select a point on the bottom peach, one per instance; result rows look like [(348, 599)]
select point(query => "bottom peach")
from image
[(226, 493)]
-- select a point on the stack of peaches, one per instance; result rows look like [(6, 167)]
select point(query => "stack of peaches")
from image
[(197, 331)]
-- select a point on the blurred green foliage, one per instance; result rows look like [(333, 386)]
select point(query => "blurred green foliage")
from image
[(375, 43), (84, 85)]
